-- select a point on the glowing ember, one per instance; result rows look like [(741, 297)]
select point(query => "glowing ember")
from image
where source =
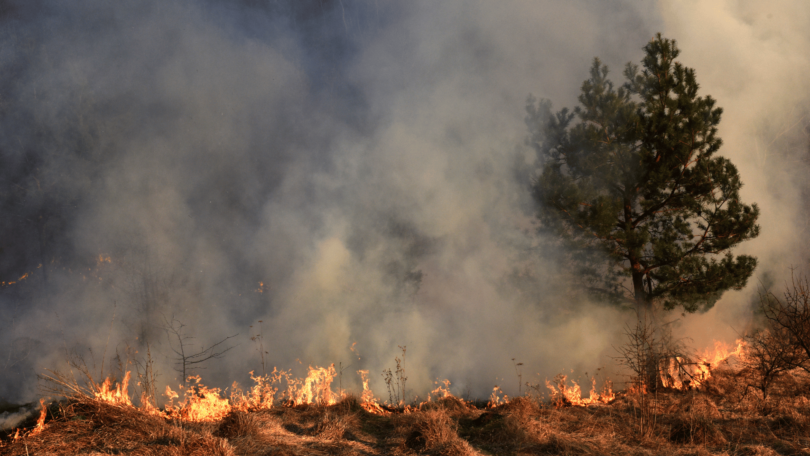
[(22, 277)]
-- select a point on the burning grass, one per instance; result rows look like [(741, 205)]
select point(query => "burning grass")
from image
[(285, 416)]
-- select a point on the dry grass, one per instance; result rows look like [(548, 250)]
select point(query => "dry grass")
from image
[(728, 417)]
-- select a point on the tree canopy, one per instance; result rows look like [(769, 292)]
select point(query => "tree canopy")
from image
[(631, 183)]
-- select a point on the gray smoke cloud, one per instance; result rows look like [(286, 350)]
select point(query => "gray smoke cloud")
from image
[(347, 172)]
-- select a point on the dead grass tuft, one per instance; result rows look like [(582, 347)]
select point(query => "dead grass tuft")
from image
[(554, 443), (756, 450), (238, 424), (451, 404), (348, 404), (686, 429), (432, 432), (695, 405), (335, 425), (518, 406), (496, 430)]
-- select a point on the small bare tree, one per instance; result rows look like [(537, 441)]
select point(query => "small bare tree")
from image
[(789, 318), (647, 352), (769, 354), (639, 354), (185, 360)]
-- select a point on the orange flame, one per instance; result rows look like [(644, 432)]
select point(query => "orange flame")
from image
[(40, 421), (442, 390), (367, 399), (261, 395), (681, 374), (495, 398), (147, 406), (117, 395), (171, 395), (315, 388), (355, 351), (200, 403), (565, 395)]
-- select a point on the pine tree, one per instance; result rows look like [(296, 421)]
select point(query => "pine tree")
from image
[(631, 183)]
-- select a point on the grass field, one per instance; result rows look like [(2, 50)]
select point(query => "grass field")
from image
[(726, 416)]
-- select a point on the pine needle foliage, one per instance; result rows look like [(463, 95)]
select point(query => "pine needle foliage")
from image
[(631, 183)]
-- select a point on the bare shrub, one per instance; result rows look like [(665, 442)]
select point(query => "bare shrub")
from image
[(693, 420), (769, 354), (648, 352), (789, 318), (687, 429)]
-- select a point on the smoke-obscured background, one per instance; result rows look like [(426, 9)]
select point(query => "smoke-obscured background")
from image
[(343, 171)]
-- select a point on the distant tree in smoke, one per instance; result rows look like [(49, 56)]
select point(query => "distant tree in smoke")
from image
[(631, 183)]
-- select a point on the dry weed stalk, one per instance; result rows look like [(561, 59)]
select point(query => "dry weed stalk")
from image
[(258, 339), (395, 381), (519, 373)]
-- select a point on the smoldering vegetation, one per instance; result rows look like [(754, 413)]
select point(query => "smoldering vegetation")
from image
[(305, 175)]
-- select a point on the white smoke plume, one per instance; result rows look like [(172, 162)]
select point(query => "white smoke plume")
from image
[(348, 172)]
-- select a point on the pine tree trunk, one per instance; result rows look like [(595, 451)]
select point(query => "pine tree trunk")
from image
[(641, 297)]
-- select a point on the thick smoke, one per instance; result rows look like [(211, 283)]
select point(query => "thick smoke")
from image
[(343, 172), (752, 58)]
